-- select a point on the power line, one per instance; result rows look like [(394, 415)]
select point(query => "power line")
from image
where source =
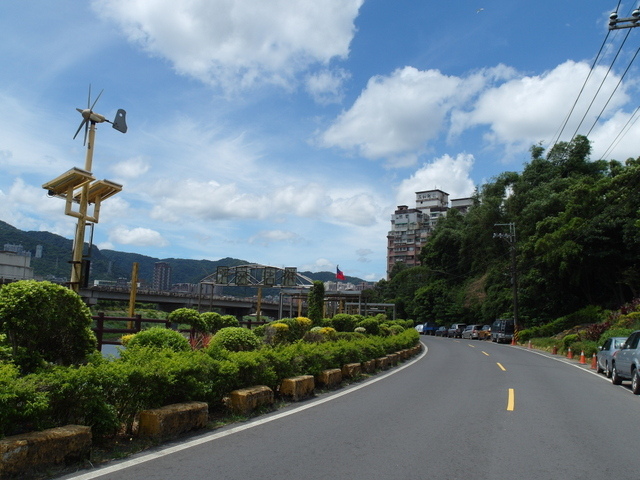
[(614, 91), (601, 85)]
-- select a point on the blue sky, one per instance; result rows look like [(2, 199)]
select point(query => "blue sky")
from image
[(286, 132)]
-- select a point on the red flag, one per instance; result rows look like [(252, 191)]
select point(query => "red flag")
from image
[(339, 274)]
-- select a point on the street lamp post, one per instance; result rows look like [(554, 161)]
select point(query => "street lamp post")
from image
[(511, 240), (80, 187)]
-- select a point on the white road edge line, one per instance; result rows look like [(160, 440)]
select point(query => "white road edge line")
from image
[(260, 421)]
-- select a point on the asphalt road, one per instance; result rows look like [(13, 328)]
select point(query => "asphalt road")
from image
[(461, 410)]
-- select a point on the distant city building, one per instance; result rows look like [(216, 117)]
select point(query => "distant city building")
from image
[(38, 251), (14, 266), (411, 227), (17, 249), (162, 276)]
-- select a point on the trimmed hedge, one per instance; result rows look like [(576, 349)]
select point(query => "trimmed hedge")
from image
[(108, 394)]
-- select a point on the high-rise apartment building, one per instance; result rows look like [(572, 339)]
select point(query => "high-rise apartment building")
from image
[(162, 276), (410, 227)]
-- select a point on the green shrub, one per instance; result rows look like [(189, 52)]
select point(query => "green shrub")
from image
[(276, 332), (351, 336), (614, 332), (212, 321), (236, 339), (343, 322), (45, 322), (570, 339), (190, 317), (254, 368), (396, 329), (371, 325), (23, 406), (229, 321), (77, 396), (589, 347), (546, 343), (159, 337), (297, 327)]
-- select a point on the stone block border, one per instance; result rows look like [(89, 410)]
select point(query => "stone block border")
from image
[(21, 454), (172, 420)]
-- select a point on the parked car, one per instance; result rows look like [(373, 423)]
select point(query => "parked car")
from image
[(606, 354), (626, 362), (455, 330), (502, 331), (485, 333), (441, 332), (472, 332), (429, 328)]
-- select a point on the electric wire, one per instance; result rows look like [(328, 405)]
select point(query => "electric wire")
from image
[(593, 65), (613, 92), (625, 129), (601, 84)]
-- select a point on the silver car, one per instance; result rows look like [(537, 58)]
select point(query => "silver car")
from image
[(471, 332), (626, 363), (606, 354)]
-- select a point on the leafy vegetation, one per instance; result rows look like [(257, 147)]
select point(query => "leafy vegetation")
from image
[(158, 366), (577, 245), (45, 323)]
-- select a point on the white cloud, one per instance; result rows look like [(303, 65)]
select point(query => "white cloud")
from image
[(326, 86), (267, 237), (132, 168), (140, 237), (396, 115), (360, 210), (528, 109), (239, 43), (319, 265), (451, 175)]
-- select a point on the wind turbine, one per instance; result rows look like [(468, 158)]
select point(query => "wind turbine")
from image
[(88, 115), (93, 193)]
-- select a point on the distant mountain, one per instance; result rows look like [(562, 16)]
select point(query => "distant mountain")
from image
[(111, 264)]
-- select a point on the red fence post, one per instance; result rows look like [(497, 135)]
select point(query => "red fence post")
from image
[(99, 329)]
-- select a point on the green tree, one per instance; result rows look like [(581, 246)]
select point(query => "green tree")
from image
[(316, 302), (45, 322)]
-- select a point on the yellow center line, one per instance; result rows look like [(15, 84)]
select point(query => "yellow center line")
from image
[(501, 367), (472, 346), (511, 401), (485, 353)]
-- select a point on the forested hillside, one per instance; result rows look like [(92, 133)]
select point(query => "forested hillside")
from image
[(577, 243), (111, 264)]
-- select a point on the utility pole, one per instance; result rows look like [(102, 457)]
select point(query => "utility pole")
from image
[(510, 238), (616, 23)]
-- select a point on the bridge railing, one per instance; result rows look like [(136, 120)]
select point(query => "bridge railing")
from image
[(134, 325)]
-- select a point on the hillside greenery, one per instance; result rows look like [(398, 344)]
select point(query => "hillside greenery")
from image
[(577, 224), (113, 265)]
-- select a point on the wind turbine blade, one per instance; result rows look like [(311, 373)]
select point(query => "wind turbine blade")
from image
[(89, 98), (78, 131), (96, 100)]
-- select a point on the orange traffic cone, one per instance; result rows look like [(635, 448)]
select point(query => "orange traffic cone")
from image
[(594, 362), (583, 361), (569, 354), (529, 345), (554, 351)]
